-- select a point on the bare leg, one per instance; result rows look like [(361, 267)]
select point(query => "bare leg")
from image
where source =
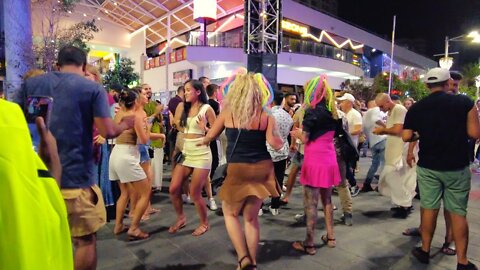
[(120, 208), (143, 190), (85, 256), (326, 194), (310, 203), (234, 227), (448, 226), (147, 168), (460, 236), (199, 176), (180, 173), (208, 187), (252, 229), (429, 223)]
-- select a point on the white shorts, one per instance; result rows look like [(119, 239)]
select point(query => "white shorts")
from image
[(125, 164)]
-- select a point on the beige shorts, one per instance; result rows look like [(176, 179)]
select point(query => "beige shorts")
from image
[(86, 210)]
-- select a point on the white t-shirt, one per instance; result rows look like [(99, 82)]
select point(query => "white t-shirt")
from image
[(394, 144), (353, 118), (371, 117)]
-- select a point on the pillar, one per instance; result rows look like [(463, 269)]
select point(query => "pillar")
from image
[(18, 42)]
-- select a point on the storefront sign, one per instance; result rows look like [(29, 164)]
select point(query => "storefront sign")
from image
[(293, 27), (147, 65), (180, 77), (163, 60), (156, 61)]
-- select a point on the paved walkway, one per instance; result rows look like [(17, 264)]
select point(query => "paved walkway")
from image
[(375, 241)]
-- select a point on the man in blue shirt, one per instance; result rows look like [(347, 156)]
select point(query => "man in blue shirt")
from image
[(78, 104)]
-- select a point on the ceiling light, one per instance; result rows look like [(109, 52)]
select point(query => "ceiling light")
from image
[(84, 15), (374, 50)]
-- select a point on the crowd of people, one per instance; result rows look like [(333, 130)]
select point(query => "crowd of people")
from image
[(107, 149)]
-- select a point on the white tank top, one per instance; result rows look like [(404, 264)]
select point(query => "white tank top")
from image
[(192, 126)]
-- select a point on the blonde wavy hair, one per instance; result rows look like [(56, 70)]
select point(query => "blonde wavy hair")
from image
[(95, 72), (244, 99)]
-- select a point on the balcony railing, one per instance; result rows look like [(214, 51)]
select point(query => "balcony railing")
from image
[(292, 45)]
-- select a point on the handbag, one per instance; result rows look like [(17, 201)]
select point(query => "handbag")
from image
[(222, 170)]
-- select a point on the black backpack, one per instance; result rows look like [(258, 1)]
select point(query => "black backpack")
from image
[(345, 144)]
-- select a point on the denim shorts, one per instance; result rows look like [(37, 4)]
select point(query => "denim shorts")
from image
[(143, 149)]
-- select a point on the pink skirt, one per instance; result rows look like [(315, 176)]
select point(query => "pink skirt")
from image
[(320, 167)]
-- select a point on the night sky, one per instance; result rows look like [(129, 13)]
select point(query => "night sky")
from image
[(430, 20)]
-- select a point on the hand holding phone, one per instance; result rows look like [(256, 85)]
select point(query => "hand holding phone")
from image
[(37, 106)]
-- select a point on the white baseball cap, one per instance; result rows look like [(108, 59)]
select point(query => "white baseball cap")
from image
[(348, 97), (435, 75)]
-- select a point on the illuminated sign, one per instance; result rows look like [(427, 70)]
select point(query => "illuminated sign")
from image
[(303, 31), (293, 27)]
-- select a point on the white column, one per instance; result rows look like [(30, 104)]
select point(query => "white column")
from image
[(18, 42)]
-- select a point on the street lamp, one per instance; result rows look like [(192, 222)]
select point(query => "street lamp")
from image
[(446, 61)]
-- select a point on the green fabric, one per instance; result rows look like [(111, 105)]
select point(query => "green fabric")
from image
[(149, 108), (451, 186), (157, 127), (33, 216)]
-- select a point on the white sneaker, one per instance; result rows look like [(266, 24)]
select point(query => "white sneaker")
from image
[(212, 204), (260, 212), (284, 188), (274, 212), (186, 199), (300, 218)]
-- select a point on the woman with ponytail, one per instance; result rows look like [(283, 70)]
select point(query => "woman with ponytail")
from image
[(125, 164), (320, 169)]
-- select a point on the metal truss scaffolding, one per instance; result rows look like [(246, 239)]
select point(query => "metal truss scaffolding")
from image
[(262, 26)]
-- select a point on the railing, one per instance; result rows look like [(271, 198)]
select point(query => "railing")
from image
[(234, 39)]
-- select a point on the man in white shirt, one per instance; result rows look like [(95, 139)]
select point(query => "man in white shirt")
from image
[(354, 119), (373, 118), (397, 179)]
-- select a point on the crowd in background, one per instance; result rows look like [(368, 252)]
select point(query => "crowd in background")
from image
[(107, 151)]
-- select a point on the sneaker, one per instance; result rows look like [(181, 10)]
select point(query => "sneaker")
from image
[(300, 218), (422, 256), (334, 207), (260, 212), (212, 205), (469, 266), (284, 188), (274, 211), (347, 219), (186, 199), (401, 212), (366, 188), (354, 191)]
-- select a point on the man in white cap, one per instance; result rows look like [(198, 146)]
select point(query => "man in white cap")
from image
[(443, 123), (354, 119)]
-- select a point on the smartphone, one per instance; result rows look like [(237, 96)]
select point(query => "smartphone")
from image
[(37, 106)]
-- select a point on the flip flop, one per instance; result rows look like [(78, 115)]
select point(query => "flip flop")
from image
[(411, 232), (330, 242), (200, 230), (447, 250), (300, 246), (153, 211)]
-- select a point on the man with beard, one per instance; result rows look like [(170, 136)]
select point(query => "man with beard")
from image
[(290, 101)]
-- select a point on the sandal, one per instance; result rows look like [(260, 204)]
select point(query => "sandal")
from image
[(122, 230), (180, 224), (412, 232), (200, 230), (138, 236), (247, 266), (300, 246), (448, 250), (330, 242), (152, 211)]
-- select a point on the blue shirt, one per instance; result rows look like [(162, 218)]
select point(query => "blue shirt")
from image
[(76, 101)]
